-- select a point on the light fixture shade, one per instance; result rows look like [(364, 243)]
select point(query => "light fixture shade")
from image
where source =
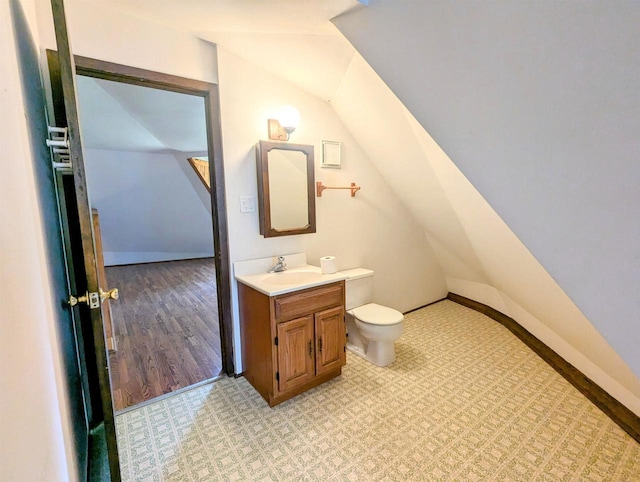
[(289, 118), (284, 124)]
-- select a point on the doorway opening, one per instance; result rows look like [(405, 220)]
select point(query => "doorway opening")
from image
[(153, 230), (218, 304)]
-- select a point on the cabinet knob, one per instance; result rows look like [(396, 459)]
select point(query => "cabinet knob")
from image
[(310, 349)]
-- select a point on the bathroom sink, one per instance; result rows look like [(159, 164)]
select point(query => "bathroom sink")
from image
[(292, 277), (298, 276)]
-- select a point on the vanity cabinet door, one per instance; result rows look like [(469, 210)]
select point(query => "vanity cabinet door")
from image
[(330, 340), (295, 353)]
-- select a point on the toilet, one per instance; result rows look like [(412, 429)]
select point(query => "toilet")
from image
[(372, 329)]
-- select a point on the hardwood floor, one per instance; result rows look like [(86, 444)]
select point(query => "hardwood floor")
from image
[(166, 326)]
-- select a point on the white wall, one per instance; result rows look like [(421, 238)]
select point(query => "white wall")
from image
[(101, 33), (480, 256), (373, 229), (35, 442), (537, 104), (149, 210)]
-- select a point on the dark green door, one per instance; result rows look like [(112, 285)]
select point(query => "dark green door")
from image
[(99, 453)]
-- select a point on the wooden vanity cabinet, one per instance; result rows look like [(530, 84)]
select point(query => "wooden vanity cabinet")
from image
[(295, 353), (292, 342)]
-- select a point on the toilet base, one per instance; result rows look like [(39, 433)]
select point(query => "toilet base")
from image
[(379, 353), (356, 350)]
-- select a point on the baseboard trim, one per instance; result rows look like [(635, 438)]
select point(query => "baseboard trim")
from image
[(170, 394), (621, 415), (424, 306), (197, 258)]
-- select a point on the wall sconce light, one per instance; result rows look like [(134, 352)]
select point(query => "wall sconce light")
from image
[(287, 121)]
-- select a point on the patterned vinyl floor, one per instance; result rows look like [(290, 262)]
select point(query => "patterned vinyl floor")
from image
[(465, 400)]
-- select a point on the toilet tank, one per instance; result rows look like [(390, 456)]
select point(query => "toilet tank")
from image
[(359, 287)]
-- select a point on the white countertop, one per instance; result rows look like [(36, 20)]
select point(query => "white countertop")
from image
[(299, 278)]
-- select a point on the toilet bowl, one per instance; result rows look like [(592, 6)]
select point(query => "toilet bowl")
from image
[(372, 329)]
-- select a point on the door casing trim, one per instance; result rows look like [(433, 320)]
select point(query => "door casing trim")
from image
[(100, 69)]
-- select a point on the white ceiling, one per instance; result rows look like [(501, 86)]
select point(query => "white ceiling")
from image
[(315, 63), (263, 16), (293, 39)]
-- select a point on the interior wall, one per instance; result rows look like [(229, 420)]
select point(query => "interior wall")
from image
[(372, 229), (149, 210), (36, 435), (480, 256), (537, 104), (101, 33)]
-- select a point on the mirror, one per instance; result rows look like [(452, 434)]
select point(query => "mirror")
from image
[(285, 189)]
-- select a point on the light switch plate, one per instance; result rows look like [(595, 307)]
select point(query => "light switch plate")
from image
[(247, 204)]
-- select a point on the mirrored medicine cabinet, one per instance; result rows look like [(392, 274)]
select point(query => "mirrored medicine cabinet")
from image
[(286, 181)]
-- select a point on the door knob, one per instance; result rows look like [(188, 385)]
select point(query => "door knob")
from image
[(94, 299), (111, 294)]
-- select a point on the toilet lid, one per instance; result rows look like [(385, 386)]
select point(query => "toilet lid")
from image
[(377, 315)]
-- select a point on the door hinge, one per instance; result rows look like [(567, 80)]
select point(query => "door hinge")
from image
[(58, 141), (58, 137), (275, 341), (277, 376)]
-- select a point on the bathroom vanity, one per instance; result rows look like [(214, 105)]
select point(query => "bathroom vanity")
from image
[(293, 330)]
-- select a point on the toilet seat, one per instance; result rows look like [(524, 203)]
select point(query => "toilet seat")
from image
[(377, 315)]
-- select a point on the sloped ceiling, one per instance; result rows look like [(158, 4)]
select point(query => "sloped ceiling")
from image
[(288, 38), (537, 103), (264, 16), (123, 117), (292, 39), (313, 62)]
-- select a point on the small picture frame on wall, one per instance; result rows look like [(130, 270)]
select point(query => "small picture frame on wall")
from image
[(331, 154)]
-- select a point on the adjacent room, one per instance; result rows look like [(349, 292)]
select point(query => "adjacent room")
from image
[(152, 223)]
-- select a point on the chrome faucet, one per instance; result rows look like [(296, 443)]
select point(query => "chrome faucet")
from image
[(279, 266)]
